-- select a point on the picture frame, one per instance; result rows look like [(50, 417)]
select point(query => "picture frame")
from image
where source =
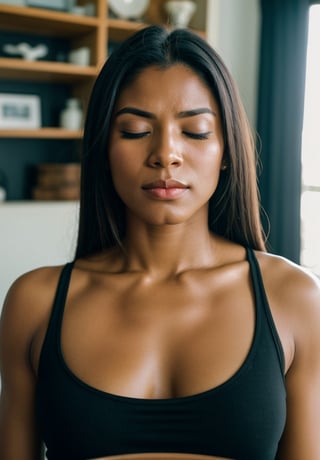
[(19, 111)]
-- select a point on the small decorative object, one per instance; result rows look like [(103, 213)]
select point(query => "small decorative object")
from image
[(90, 9), (19, 111), (80, 10), (80, 56), (50, 4), (128, 9), (57, 181), (28, 52), (3, 186), (180, 12), (13, 2), (71, 116)]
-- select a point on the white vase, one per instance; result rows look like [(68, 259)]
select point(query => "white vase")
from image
[(180, 12), (71, 116)]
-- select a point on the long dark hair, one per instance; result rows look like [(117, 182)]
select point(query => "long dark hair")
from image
[(233, 208)]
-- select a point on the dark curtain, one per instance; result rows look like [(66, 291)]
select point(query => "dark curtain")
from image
[(284, 30)]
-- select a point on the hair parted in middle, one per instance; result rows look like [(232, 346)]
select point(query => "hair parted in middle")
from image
[(233, 208)]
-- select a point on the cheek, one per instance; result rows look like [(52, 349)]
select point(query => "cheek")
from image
[(207, 166), (209, 160), (124, 168), (117, 161)]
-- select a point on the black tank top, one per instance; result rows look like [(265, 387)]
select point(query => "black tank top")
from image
[(241, 419)]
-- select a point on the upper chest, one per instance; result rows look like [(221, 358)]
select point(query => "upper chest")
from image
[(137, 338)]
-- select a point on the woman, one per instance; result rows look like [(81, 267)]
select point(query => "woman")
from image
[(173, 330)]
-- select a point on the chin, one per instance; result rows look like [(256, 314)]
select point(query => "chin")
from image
[(169, 217)]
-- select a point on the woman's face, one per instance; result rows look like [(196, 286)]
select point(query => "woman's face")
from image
[(166, 146)]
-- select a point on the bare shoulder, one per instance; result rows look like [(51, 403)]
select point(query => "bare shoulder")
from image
[(33, 286), (29, 300), (293, 292), (285, 279)]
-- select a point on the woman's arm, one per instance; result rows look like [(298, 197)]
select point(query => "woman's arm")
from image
[(21, 316), (301, 300)]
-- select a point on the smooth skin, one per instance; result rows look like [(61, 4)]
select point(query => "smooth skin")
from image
[(190, 290)]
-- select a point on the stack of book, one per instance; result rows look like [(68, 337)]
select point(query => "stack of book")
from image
[(57, 181)]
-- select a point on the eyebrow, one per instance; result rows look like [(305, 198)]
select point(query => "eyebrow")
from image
[(194, 112), (149, 115), (134, 111)]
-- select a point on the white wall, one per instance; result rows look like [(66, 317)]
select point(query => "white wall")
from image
[(233, 28), (34, 234)]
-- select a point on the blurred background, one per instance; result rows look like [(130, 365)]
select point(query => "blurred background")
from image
[(50, 53)]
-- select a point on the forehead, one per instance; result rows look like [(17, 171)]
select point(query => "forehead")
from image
[(175, 85)]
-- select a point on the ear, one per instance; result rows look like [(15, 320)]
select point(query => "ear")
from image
[(224, 165)]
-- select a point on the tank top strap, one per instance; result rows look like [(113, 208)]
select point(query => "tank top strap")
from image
[(54, 326), (61, 294), (262, 304)]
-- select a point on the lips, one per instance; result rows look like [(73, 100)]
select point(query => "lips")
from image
[(165, 184), (167, 190)]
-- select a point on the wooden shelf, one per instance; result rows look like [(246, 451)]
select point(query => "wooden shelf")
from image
[(20, 69), (41, 133), (119, 29), (73, 31), (45, 22)]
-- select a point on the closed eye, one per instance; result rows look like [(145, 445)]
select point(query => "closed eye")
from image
[(199, 136), (132, 135)]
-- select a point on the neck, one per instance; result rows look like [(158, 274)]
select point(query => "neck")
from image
[(166, 250)]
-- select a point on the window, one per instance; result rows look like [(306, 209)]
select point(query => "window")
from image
[(310, 197)]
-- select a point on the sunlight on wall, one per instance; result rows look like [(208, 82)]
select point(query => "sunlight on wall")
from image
[(310, 198)]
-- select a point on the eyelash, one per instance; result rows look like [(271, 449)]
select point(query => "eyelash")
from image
[(196, 136), (129, 135)]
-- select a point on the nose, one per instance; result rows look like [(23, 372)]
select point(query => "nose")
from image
[(165, 151)]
